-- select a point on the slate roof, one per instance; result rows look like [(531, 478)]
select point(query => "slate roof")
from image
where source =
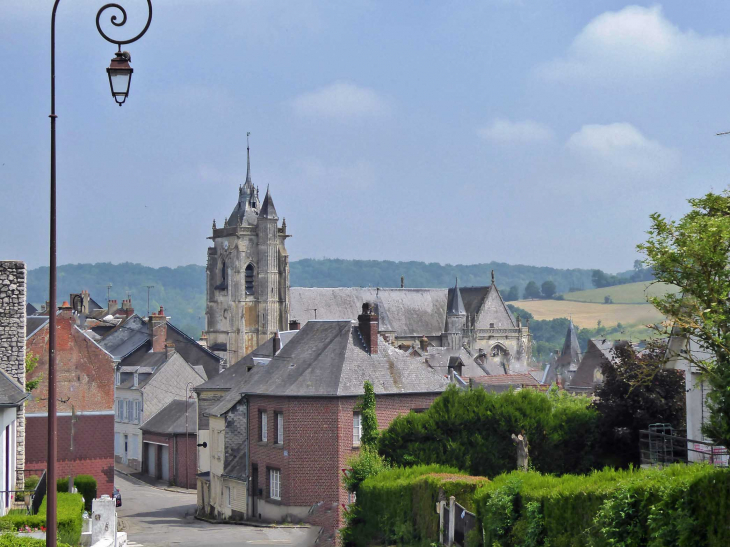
[(267, 209), (456, 304), (328, 359), (125, 337), (571, 353), (33, 323), (236, 468), (192, 352), (440, 359), (11, 393), (30, 309), (170, 420), (523, 379)]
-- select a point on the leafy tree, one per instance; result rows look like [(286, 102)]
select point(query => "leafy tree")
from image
[(365, 464), (31, 361), (693, 254), (513, 294), (636, 392), (548, 289), (531, 290), (369, 418)]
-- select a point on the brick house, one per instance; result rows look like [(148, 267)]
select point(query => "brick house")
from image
[(85, 420), (297, 422), (170, 444)]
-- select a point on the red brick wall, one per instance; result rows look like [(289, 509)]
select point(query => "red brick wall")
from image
[(176, 456), (318, 441), (85, 373), (92, 454)]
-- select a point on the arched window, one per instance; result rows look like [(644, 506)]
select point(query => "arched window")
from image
[(249, 279), (498, 350)]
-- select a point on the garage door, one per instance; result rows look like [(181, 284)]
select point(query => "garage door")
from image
[(165, 463), (151, 460)]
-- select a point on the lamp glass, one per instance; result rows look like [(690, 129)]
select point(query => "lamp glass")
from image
[(120, 81)]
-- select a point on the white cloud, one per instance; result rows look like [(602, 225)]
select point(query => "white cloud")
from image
[(341, 101), (637, 43), (501, 130), (622, 146)]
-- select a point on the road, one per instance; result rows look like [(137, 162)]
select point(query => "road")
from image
[(156, 518)]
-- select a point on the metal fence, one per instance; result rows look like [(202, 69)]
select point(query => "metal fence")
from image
[(455, 522), (659, 446), (39, 494)]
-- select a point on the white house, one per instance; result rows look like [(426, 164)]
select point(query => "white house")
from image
[(12, 397)]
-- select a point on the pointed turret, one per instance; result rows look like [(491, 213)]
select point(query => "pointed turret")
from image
[(245, 211), (456, 304), (571, 354), (267, 209)]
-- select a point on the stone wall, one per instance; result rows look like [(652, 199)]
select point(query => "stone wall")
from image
[(12, 343)]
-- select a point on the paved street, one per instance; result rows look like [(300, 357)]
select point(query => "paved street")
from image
[(156, 518)]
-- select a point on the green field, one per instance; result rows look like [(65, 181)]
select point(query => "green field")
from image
[(631, 293)]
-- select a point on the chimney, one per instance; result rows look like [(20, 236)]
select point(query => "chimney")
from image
[(157, 325), (294, 325), (127, 308), (277, 343), (169, 349), (113, 307), (368, 323), (402, 282), (424, 344)]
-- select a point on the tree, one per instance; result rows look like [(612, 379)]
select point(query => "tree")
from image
[(531, 290), (513, 294), (548, 289), (637, 391), (692, 254), (369, 418), (31, 361)]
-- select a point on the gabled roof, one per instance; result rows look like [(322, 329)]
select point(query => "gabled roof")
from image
[(126, 337), (34, 323), (456, 304), (170, 420), (598, 353), (30, 309), (11, 393), (192, 352)]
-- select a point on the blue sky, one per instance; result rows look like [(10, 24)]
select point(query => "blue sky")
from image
[(539, 132)]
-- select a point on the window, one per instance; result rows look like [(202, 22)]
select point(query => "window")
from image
[(129, 411), (249, 279), (491, 325), (120, 410), (274, 484), (136, 411), (228, 496), (118, 378), (264, 426), (356, 428), (279, 424)]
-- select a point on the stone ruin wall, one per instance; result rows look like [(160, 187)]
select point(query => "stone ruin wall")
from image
[(13, 275)]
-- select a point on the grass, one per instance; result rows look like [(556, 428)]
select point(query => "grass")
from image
[(631, 293), (587, 315)]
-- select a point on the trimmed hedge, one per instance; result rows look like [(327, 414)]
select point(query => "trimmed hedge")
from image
[(85, 484), (31, 482), (11, 540), (70, 513), (399, 505)]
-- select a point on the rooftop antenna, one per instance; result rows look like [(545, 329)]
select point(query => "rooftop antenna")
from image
[(315, 312), (108, 292), (148, 298)]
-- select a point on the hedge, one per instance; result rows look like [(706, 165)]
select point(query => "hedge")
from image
[(70, 513), (11, 540), (681, 505), (31, 482), (473, 429), (85, 484), (399, 505)]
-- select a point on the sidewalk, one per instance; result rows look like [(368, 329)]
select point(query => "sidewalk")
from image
[(161, 485)]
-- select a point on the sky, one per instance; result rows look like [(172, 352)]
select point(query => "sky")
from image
[(540, 132)]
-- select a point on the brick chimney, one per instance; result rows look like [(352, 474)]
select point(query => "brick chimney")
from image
[(277, 342), (424, 344), (403, 282), (368, 323), (157, 325), (169, 349), (294, 325), (127, 308), (113, 307)]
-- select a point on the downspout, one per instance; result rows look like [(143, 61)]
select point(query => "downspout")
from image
[(249, 499), (174, 459)]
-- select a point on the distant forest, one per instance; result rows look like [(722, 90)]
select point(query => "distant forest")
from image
[(181, 290)]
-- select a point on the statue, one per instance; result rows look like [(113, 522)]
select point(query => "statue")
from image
[(523, 456)]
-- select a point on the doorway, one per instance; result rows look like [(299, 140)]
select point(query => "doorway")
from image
[(254, 491)]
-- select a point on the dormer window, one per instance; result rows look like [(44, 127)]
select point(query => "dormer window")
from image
[(136, 379), (249, 279)]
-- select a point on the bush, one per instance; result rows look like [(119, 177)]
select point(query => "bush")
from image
[(85, 484), (69, 514), (11, 540), (366, 464), (472, 430), (31, 482), (398, 506)]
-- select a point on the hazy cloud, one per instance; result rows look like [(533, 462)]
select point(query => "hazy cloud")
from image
[(637, 42), (501, 130), (341, 101)]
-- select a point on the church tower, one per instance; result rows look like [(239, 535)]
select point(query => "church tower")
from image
[(455, 319), (247, 275)]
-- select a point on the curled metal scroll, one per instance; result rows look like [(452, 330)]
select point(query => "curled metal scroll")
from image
[(121, 23)]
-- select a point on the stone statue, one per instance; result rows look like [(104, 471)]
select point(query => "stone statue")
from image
[(523, 456)]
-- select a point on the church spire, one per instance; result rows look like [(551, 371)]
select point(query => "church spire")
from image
[(456, 304), (248, 159)]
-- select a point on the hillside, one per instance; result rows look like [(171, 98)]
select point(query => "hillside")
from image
[(181, 290), (631, 293), (588, 314)]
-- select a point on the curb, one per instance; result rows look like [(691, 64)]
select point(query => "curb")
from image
[(141, 482), (255, 524)]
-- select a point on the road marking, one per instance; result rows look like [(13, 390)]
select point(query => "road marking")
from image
[(134, 544)]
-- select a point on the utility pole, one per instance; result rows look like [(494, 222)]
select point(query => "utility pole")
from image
[(148, 298), (108, 296)]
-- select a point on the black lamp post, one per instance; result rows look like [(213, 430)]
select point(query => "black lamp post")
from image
[(120, 88)]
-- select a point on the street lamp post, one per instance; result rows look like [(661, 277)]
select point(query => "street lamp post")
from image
[(187, 434), (120, 74)]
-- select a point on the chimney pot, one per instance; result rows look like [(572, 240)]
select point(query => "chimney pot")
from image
[(294, 325), (277, 343), (368, 323)]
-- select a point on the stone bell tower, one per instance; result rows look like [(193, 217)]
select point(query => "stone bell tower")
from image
[(247, 275)]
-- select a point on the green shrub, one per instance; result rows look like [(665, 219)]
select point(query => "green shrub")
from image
[(31, 482), (11, 540), (473, 429), (366, 464), (85, 484), (69, 516)]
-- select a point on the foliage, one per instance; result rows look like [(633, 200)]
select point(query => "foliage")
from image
[(369, 418), (692, 253), (548, 288), (85, 484), (11, 540), (512, 294), (31, 361), (472, 430), (31, 482), (531, 291), (636, 392), (397, 505), (365, 464), (69, 516)]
